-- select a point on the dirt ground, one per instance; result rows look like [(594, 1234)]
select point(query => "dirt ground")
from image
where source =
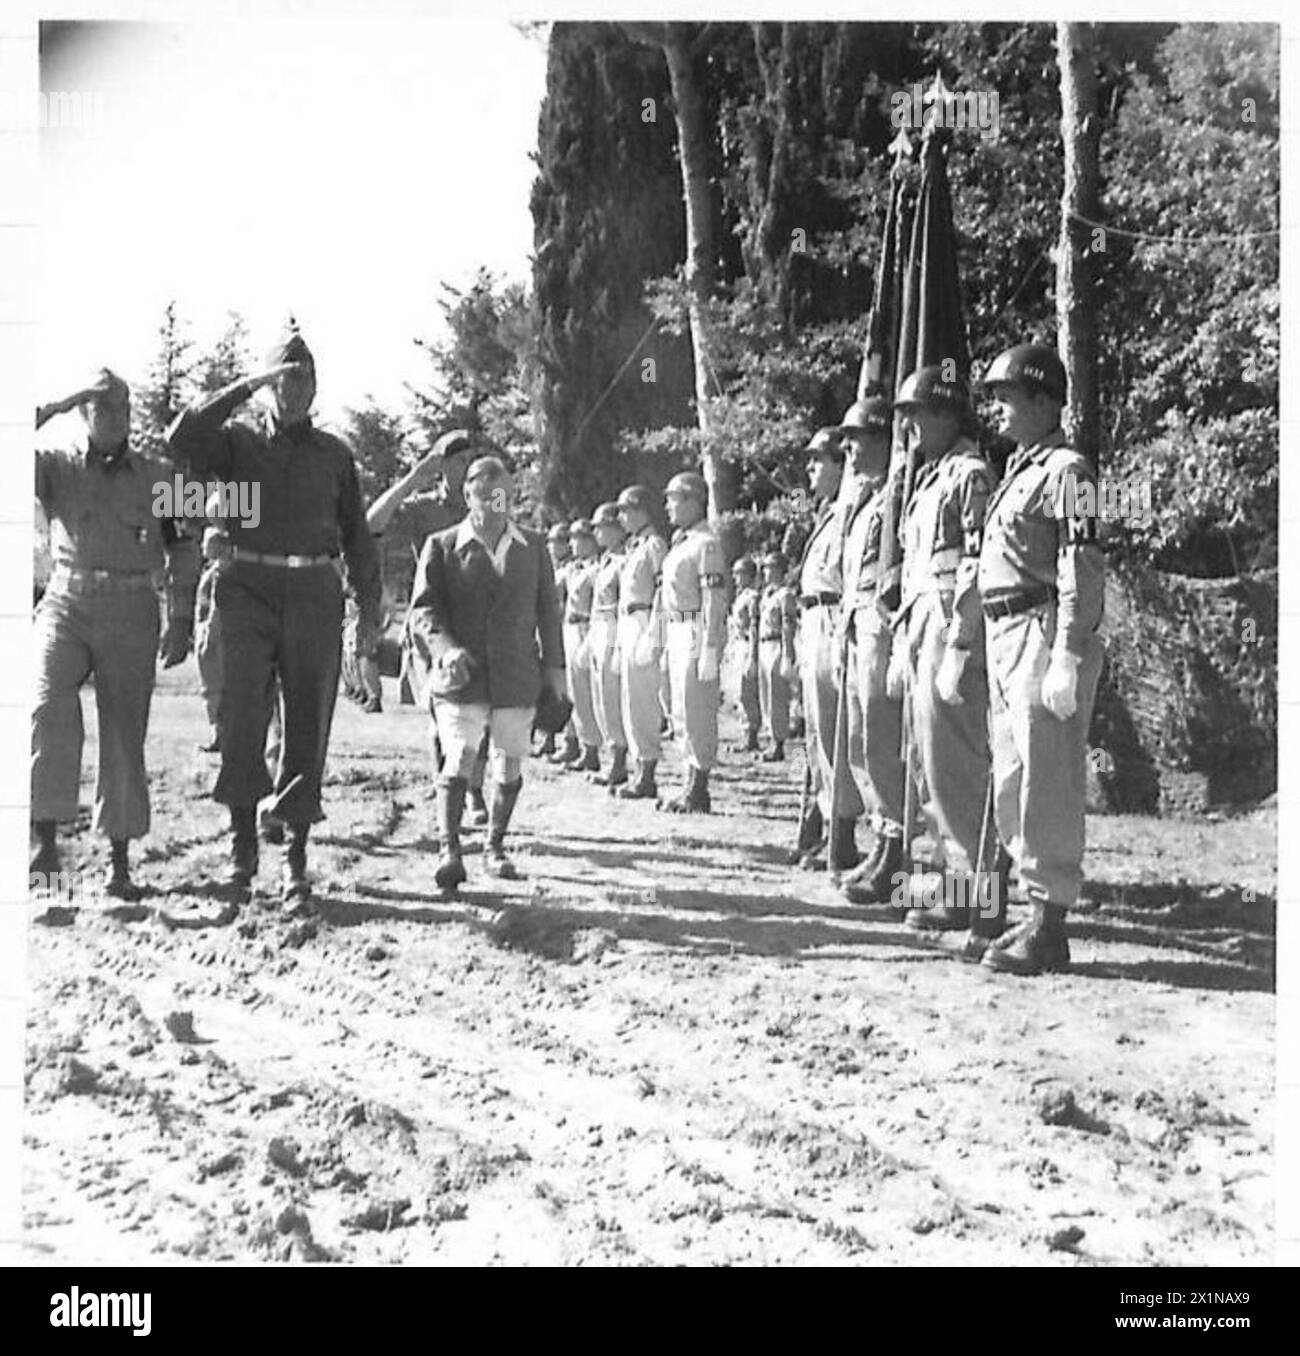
[(664, 1046)]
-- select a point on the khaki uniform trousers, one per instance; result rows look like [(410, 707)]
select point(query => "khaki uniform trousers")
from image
[(606, 692), (111, 632), (881, 719), (817, 645), (1039, 775), (579, 669), (774, 689), (639, 684), (694, 704)]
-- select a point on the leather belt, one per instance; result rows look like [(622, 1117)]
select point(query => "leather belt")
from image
[(65, 575), (776, 635), (638, 607), (1013, 604), (282, 562), (809, 600), (681, 616), (576, 620)]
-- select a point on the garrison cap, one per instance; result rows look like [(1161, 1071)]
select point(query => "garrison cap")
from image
[(1034, 366), (825, 443), (636, 497), (606, 515), (931, 389), (580, 527), (291, 348), (689, 485), (558, 532), (874, 414)]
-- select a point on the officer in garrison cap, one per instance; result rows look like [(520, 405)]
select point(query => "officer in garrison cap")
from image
[(602, 644), (867, 429), (821, 586), (557, 545), (577, 653), (280, 600), (941, 531), (778, 622), (743, 628), (1039, 585), (99, 615), (640, 649), (691, 609)]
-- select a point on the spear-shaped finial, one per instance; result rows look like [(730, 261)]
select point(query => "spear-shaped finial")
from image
[(936, 98), (901, 146)]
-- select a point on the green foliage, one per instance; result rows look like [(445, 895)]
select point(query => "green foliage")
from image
[(168, 387)]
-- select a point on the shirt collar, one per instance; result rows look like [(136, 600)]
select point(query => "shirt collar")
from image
[(465, 534)]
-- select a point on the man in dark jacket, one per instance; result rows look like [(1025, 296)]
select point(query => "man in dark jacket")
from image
[(485, 625)]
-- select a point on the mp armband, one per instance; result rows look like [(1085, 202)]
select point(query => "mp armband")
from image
[(1080, 531), (713, 581)]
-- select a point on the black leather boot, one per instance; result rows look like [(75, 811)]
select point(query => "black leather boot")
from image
[(1035, 947), (843, 852), (811, 840), (118, 883), (450, 871), (45, 863), (587, 761), (569, 752), (695, 799), (296, 887), (495, 861), (243, 848), (776, 754), (874, 883)]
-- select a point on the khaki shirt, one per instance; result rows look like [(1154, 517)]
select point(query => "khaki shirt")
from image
[(862, 549), (943, 525), (1038, 532), (102, 517), (694, 583), (580, 587), (642, 560), (820, 571), (778, 614), (744, 618), (605, 584)]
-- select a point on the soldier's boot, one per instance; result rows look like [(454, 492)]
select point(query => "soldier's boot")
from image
[(776, 754), (644, 787), (478, 810), (750, 743), (946, 916), (450, 871), (989, 915), (875, 881), (1034, 947), (372, 703), (569, 752), (842, 852), (296, 885), (118, 883), (617, 774), (45, 862), (811, 840), (587, 761), (548, 746), (243, 849), (496, 863), (695, 799)]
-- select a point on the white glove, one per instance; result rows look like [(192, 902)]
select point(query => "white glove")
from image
[(706, 666), (947, 681), (1061, 684), (899, 663)]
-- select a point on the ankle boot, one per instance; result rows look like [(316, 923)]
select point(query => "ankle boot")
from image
[(118, 884), (45, 861), (1034, 947), (569, 752), (243, 847), (776, 754), (617, 773), (548, 746), (695, 799), (988, 910), (587, 761), (450, 871), (875, 882), (297, 887), (812, 830), (503, 806), (644, 787)]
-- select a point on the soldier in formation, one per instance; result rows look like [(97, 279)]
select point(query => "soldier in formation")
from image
[(744, 643)]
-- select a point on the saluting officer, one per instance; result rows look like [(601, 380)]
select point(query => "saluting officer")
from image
[(1041, 581), (602, 643), (744, 637), (778, 621), (99, 614), (577, 626), (821, 586), (868, 426), (692, 609), (557, 546), (280, 600), (941, 532), (640, 650)]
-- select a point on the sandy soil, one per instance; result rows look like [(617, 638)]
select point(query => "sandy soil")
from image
[(665, 1046)]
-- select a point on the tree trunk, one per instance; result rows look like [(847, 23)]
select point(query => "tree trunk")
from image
[(1076, 311), (701, 249)]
